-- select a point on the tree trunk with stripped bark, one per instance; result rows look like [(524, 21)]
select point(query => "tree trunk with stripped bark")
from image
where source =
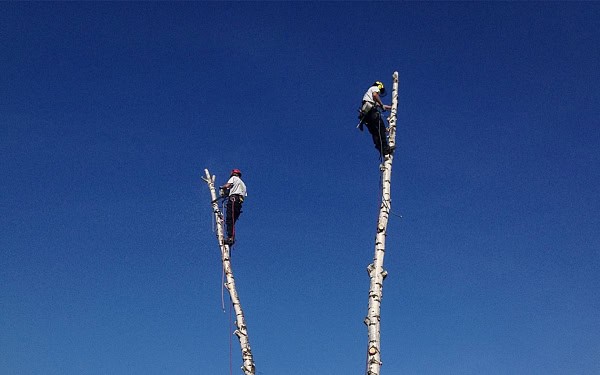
[(376, 271), (241, 332)]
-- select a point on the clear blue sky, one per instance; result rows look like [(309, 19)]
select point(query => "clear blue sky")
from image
[(110, 112)]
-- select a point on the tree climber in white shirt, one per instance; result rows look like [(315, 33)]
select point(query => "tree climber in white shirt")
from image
[(371, 116), (235, 190)]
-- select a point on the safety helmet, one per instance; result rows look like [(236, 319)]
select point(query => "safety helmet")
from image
[(236, 171), (379, 85)]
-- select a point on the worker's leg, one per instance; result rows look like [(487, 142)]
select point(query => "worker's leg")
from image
[(376, 127), (229, 218), (237, 210), (373, 129)]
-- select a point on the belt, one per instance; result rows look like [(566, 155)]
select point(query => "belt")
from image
[(238, 196)]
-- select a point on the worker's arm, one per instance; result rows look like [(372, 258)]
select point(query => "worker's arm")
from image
[(377, 99), (224, 190)]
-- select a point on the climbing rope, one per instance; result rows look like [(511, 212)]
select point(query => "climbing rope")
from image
[(230, 333), (223, 290), (233, 203), (379, 123), (384, 202)]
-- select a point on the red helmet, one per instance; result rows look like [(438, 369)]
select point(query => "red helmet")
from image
[(236, 171)]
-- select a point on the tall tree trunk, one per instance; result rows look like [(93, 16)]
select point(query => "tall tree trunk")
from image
[(376, 271), (241, 331)]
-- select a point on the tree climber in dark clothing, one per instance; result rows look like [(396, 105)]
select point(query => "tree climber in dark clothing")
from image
[(235, 189)]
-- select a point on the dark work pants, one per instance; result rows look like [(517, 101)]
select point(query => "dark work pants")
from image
[(234, 209), (376, 127)]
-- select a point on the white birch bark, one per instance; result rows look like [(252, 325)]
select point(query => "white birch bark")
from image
[(241, 332), (376, 271)]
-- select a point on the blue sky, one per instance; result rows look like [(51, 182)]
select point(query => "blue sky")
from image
[(111, 111)]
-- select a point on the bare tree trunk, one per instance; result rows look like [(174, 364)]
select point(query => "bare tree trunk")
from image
[(241, 331), (376, 271)]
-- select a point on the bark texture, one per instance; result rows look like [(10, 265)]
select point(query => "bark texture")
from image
[(376, 272), (241, 332)]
